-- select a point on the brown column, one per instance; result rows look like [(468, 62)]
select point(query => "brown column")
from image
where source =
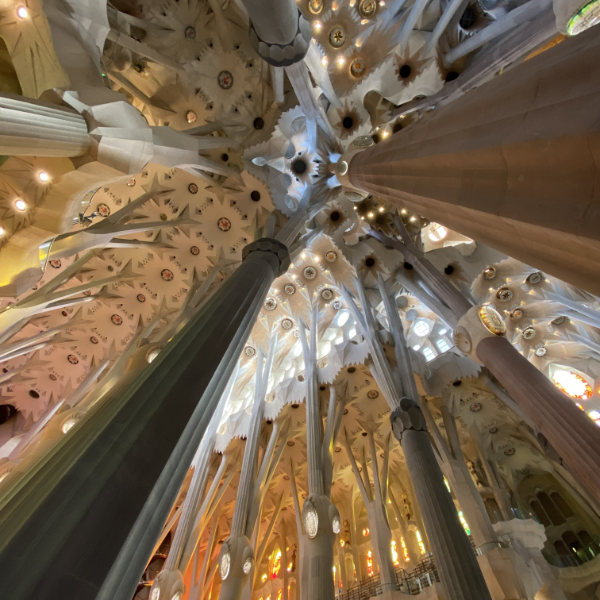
[(572, 433), (515, 164)]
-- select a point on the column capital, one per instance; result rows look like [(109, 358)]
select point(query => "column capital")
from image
[(269, 246), (407, 416), (283, 55)]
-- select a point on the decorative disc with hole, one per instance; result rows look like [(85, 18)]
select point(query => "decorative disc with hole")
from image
[(141, 298), (337, 304), (337, 36), (535, 278), (224, 224), (516, 314), (116, 319), (190, 116), (327, 295), (55, 262), (167, 275), (489, 273), (195, 250), (357, 67), (131, 182), (103, 209), (528, 333), (310, 272), (504, 294), (73, 359), (541, 351), (491, 320), (476, 407), (367, 8), (193, 188), (493, 430), (509, 451), (53, 377), (94, 339), (270, 304), (372, 394), (190, 33), (331, 256), (250, 351), (287, 324), (289, 289), (225, 80), (315, 6)]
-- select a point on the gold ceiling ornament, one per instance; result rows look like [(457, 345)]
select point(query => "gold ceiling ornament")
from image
[(367, 8), (315, 6), (491, 320)]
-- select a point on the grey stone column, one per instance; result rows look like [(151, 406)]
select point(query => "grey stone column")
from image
[(112, 482), (456, 563), (33, 128)]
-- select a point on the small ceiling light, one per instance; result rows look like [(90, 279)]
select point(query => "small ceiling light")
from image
[(370, 215), (304, 255), (43, 176), (403, 211), (341, 61), (20, 204), (354, 207), (22, 12), (1, 231), (413, 219), (324, 61), (317, 259), (381, 3), (381, 208), (385, 134), (318, 25)]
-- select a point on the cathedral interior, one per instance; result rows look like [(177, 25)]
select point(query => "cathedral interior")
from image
[(298, 299)]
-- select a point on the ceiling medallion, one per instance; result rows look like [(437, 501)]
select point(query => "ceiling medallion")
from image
[(296, 333), (310, 272), (337, 36), (504, 294), (225, 80), (491, 320), (493, 430), (270, 304), (287, 324), (141, 298), (73, 359), (489, 273), (327, 295), (167, 275), (337, 304), (357, 67), (193, 188), (528, 333), (194, 250), (517, 314), (587, 16), (116, 319), (476, 407), (372, 394), (224, 224), (163, 217), (94, 339), (190, 116), (55, 263), (190, 33), (53, 377), (331, 256), (131, 182), (535, 278), (247, 566), (509, 451), (559, 320), (363, 141), (367, 8), (250, 351), (541, 351), (315, 6), (289, 289), (103, 209)]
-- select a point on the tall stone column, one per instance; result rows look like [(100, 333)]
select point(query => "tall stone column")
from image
[(112, 481), (512, 164), (320, 518), (459, 572), (33, 128)]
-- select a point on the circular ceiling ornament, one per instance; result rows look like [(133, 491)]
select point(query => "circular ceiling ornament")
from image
[(255, 196), (327, 295), (70, 423), (163, 217), (311, 522), (476, 407), (225, 565), (331, 256), (225, 80), (224, 224), (152, 355), (193, 188), (103, 209), (509, 451), (287, 324), (247, 565), (541, 351), (337, 304), (367, 8), (167, 275), (296, 333), (491, 320), (53, 377), (372, 394), (141, 298), (190, 116), (337, 36), (194, 250), (504, 294), (587, 16), (116, 319), (535, 278), (249, 351), (270, 304), (342, 168), (315, 6), (299, 166), (493, 430), (310, 272), (517, 314), (489, 273), (131, 182), (336, 524), (94, 339), (289, 289), (363, 141), (55, 263), (357, 67), (559, 320), (190, 33), (528, 333)]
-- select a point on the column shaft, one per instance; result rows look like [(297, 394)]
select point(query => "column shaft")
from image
[(31, 128), (513, 164), (112, 481)]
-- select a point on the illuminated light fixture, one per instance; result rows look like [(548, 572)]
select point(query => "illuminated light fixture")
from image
[(385, 134), (421, 328), (437, 232), (586, 17), (318, 25), (358, 43), (463, 522), (354, 207), (395, 558), (366, 531), (22, 12), (341, 61), (324, 61), (303, 255), (413, 219), (370, 215), (364, 21), (381, 208), (595, 416), (317, 259), (1, 231), (263, 577), (43, 176), (572, 384), (381, 2), (20, 204), (403, 211)]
